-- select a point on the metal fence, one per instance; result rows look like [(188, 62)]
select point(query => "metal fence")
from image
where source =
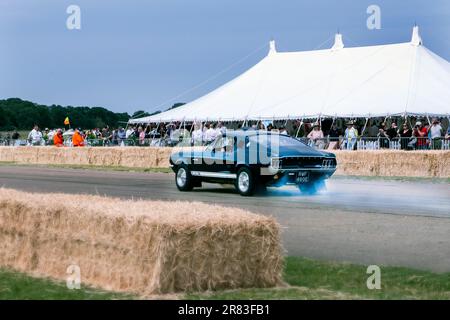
[(378, 143), (341, 143)]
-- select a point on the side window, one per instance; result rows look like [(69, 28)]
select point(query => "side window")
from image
[(228, 144), (241, 144), (218, 145)]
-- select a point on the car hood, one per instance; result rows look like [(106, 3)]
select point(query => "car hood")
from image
[(297, 151)]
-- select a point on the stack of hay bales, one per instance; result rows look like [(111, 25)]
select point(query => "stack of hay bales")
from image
[(391, 163), (133, 157), (388, 163), (145, 247)]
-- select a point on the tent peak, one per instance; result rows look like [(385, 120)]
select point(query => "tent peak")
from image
[(338, 43), (416, 40), (272, 46)]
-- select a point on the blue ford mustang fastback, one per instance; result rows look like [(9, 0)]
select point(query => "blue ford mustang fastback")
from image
[(253, 160)]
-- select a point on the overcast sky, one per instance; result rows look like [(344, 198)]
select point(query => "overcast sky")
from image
[(139, 54)]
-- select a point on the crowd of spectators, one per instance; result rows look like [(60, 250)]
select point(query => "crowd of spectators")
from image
[(378, 135)]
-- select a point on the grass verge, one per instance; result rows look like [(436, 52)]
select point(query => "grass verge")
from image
[(311, 279), (19, 286), (305, 278)]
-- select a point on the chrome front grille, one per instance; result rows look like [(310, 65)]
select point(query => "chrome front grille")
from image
[(328, 163), (287, 163), (300, 162)]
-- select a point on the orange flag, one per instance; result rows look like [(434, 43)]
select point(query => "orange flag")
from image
[(66, 121)]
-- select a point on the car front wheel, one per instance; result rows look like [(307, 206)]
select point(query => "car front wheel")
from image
[(245, 182), (183, 179)]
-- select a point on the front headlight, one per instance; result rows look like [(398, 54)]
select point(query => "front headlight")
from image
[(275, 163)]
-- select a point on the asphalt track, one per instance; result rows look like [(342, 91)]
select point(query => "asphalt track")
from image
[(381, 222)]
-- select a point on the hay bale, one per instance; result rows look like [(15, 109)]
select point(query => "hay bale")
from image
[(145, 247), (363, 163), (394, 163)]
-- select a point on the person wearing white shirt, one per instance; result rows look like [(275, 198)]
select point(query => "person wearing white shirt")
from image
[(210, 134), (197, 135), (35, 136), (351, 134), (220, 129), (436, 134), (129, 132), (435, 129)]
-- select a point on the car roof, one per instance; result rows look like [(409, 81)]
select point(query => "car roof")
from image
[(251, 132)]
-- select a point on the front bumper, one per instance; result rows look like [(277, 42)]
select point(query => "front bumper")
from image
[(279, 177)]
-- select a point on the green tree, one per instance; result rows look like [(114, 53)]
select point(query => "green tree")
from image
[(23, 115)]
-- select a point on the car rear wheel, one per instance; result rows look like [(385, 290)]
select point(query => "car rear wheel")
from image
[(312, 187), (183, 178), (245, 182)]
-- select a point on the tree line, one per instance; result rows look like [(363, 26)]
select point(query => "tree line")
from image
[(18, 114)]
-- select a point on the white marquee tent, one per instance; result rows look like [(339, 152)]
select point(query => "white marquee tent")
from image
[(384, 80)]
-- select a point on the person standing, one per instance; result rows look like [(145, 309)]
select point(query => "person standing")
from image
[(383, 136), (405, 135), (121, 136), (35, 136), (210, 134), (141, 134), (436, 134), (351, 135), (221, 129), (373, 130), (129, 133), (106, 136), (334, 132), (197, 135), (420, 133), (15, 136), (392, 132), (316, 136)]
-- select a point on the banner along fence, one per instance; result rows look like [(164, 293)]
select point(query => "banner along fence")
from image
[(391, 163)]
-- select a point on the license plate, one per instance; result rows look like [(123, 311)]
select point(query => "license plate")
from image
[(302, 177)]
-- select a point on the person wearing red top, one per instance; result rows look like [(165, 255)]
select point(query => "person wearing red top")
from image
[(420, 133), (58, 140), (77, 139)]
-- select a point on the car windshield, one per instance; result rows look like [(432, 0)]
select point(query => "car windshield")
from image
[(272, 139)]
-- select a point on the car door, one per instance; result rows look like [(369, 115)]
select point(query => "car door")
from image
[(229, 154), (213, 156)]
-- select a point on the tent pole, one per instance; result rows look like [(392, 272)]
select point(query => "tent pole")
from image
[(156, 131), (332, 122), (298, 130), (364, 128), (428, 119)]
